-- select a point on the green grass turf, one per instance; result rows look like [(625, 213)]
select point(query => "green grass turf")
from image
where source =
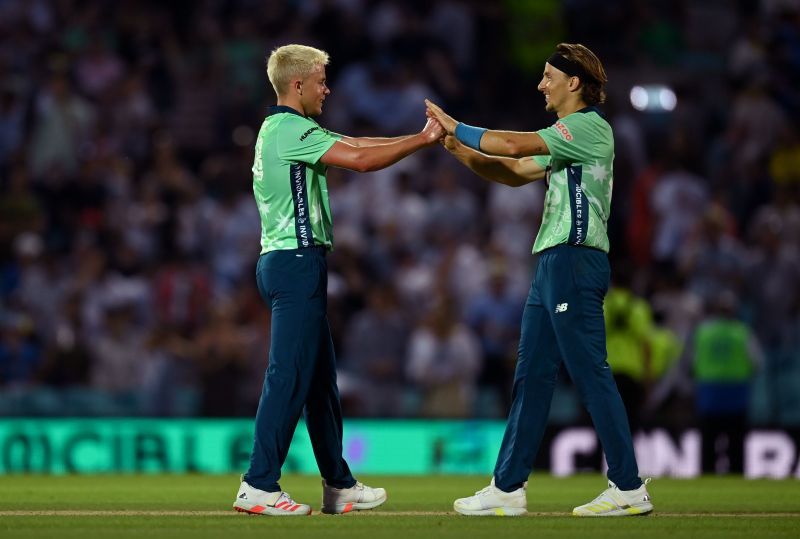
[(707, 507)]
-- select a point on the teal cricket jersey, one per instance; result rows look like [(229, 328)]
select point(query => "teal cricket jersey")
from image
[(289, 181), (578, 200)]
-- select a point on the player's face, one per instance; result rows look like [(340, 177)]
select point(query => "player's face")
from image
[(314, 92), (555, 87)]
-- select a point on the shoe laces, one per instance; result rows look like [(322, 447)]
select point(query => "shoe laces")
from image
[(612, 487), (605, 494), (285, 497), (485, 491)]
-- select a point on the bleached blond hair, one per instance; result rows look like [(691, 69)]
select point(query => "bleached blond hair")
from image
[(290, 61)]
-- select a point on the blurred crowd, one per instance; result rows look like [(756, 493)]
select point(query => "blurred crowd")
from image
[(129, 235)]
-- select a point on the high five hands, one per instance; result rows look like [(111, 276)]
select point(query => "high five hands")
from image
[(447, 121), (433, 130), (435, 112)]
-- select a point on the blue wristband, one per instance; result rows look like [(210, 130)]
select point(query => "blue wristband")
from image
[(470, 135)]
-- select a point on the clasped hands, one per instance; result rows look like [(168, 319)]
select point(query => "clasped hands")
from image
[(443, 122)]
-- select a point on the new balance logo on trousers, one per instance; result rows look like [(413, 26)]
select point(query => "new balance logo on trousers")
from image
[(561, 307)]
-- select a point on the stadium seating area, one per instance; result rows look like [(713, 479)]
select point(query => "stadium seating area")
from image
[(128, 233)]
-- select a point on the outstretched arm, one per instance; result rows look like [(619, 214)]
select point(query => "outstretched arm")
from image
[(504, 143), (513, 143), (505, 170), (361, 142), (368, 157)]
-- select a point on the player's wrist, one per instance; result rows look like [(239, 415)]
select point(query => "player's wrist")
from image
[(469, 135), (425, 138)]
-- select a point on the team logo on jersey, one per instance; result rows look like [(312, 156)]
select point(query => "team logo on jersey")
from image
[(563, 130), (304, 136)]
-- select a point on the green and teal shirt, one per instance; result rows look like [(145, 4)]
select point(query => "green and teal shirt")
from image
[(289, 182), (578, 200)]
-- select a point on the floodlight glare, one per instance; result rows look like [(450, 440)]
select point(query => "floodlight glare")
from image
[(639, 98), (667, 98), (653, 98)]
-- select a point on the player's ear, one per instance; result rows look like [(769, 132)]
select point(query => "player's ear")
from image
[(574, 83), (297, 86)]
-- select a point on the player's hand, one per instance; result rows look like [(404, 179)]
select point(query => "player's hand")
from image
[(449, 142), (433, 131), (434, 111)]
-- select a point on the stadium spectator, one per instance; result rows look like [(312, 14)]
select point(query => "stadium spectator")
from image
[(98, 69), (629, 325), (772, 296), (725, 354), (712, 259), (20, 352), (12, 115), (66, 362), (453, 208), (678, 200), (118, 363), (374, 352), (221, 355), (509, 211), (409, 213), (494, 316), (444, 358), (62, 124), (678, 309)]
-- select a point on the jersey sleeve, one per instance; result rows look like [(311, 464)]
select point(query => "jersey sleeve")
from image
[(542, 160), (301, 139), (571, 138)]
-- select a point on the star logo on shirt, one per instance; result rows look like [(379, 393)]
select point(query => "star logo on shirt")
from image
[(264, 208), (285, 222), (598, 172)]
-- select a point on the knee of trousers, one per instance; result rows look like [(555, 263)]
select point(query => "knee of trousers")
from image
[(595, 380)]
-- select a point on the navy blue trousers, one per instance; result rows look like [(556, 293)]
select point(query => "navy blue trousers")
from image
[(563, 321), (301, 375)]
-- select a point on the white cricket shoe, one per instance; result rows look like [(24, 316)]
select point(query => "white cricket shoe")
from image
[(359, 497), (259, 502), (493, 501), (614, 502)]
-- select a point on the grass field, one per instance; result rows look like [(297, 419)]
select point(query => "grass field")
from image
[(200, 506)]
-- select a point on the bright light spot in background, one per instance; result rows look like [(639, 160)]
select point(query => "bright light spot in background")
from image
[(667, 98), (653, 98), (639, 98)]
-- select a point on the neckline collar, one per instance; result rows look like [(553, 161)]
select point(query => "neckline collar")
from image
[(278, 109), (591, 108)]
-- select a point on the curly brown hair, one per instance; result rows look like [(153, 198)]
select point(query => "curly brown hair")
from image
[(592, 89)]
